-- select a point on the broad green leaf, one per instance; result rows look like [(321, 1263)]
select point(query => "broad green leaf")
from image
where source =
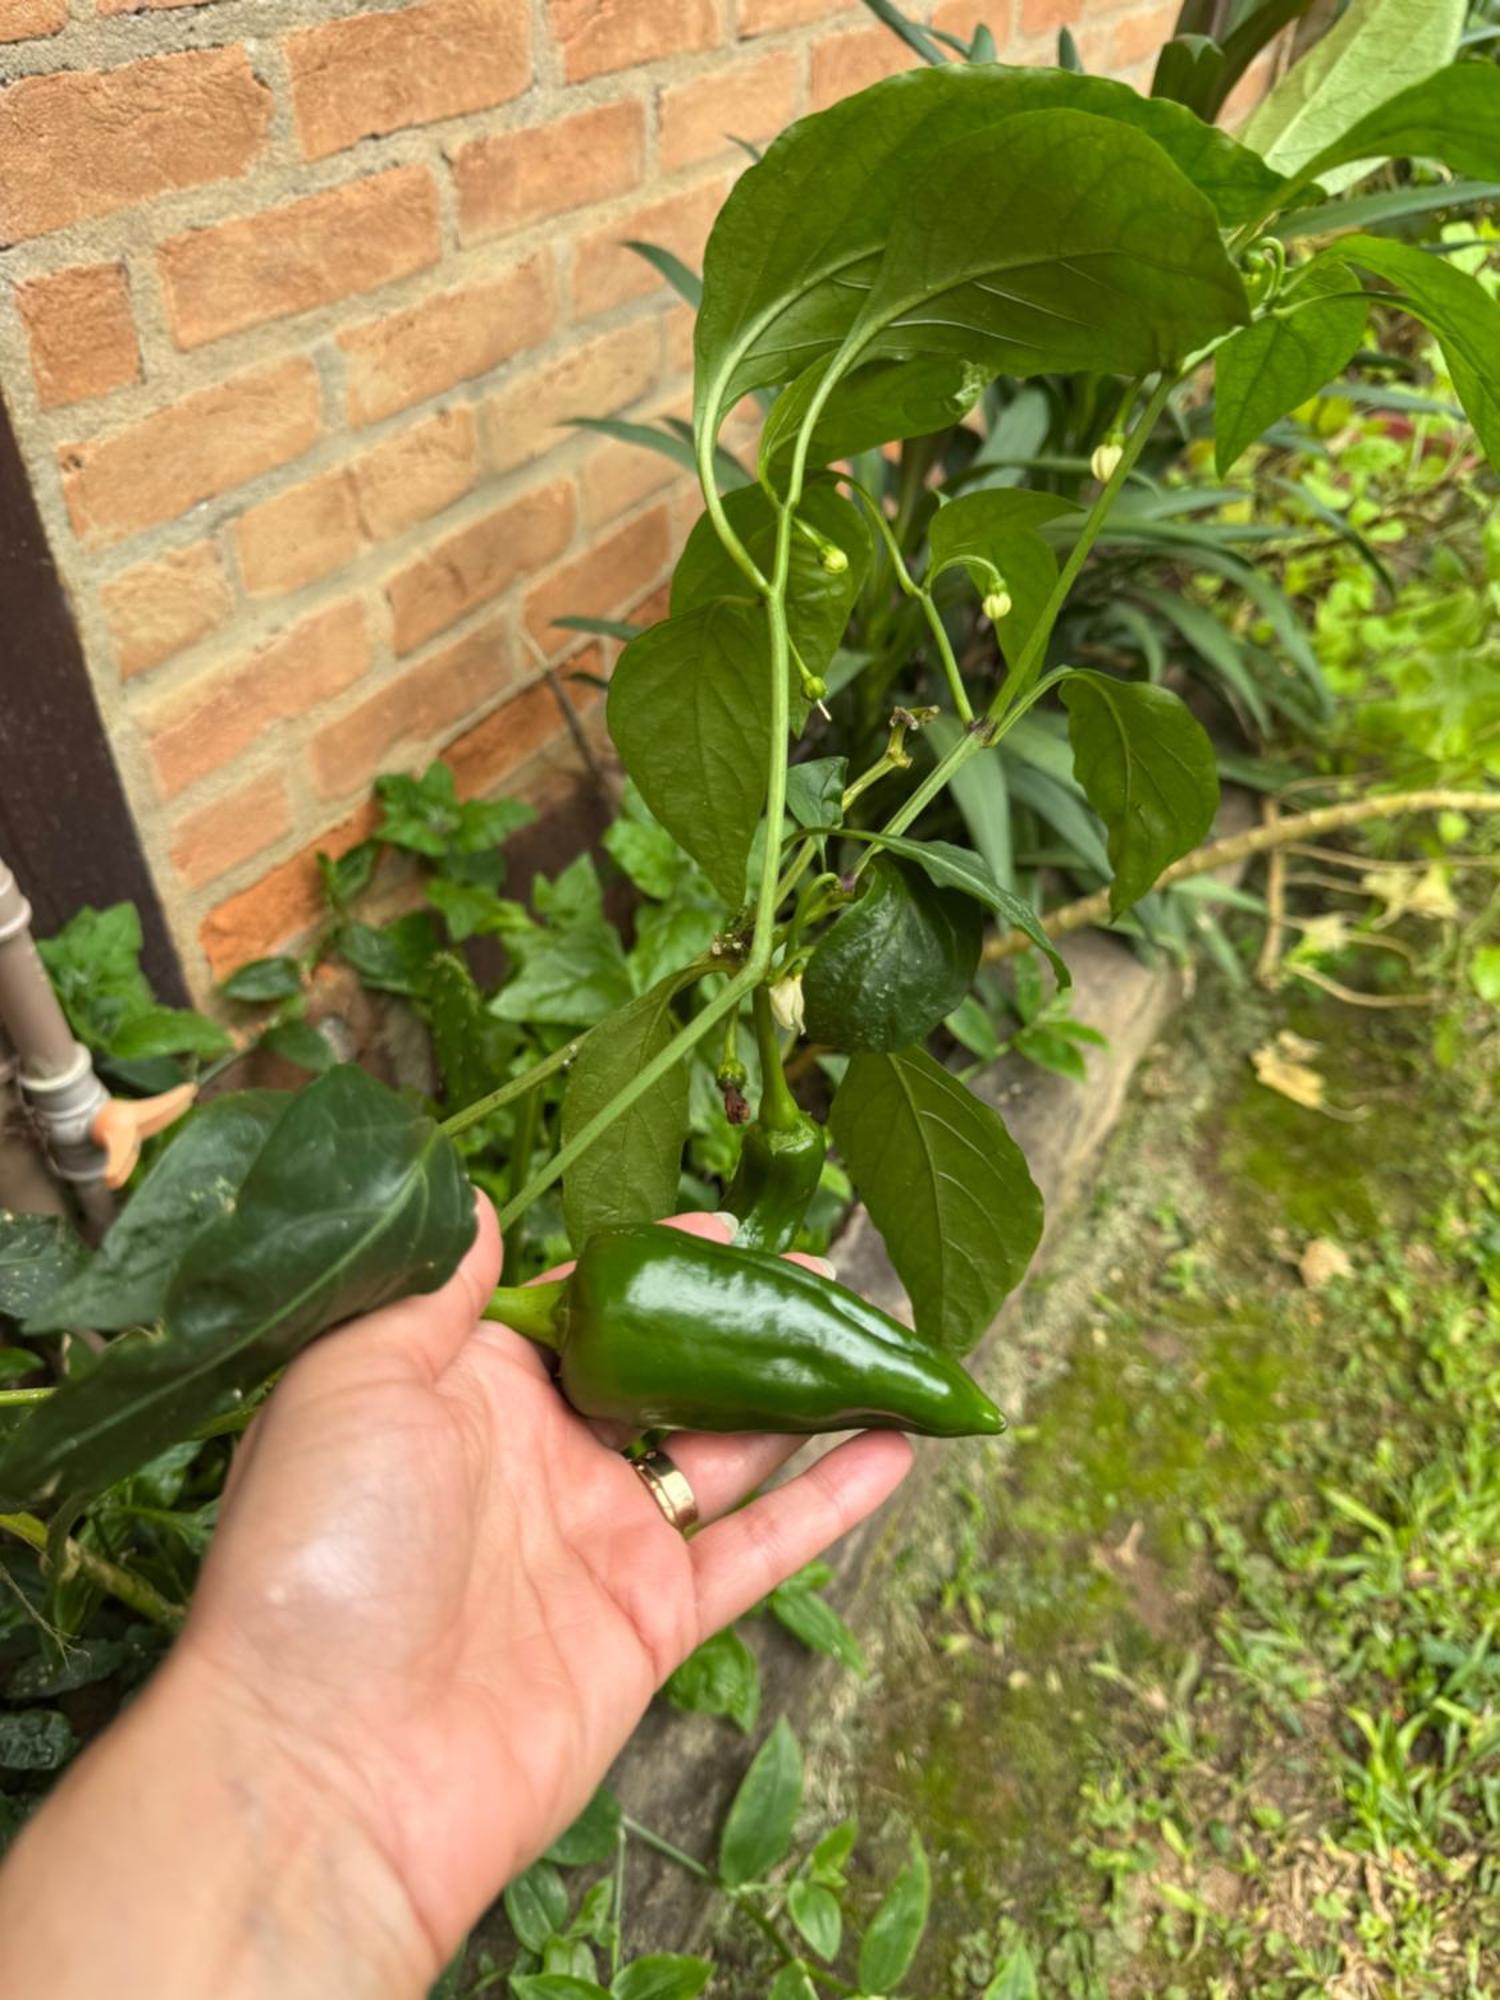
[(1269, 367), (1453, 116), (949, 867), (758, 1831), (815, 791), (355, 1199), (299, 1042), (875, 405), (813, 1620), (1148, 770), (991, 535), (662, 1975), (85, 1662), (471, 909), (689, 709), (536, 1905), (572, 980), (94, 964), (555, 1986), (1057, 241), (391, 958), (169, 1031), (35, 1739), (38, 1254), (946, 1186), (720, 1677), (17, 1361), (794, 245), (630, 1172), (194, 1182), (470, 1045), (593, 1836), (890, 1944), (792, 1983), (1016, 1978), (1375, 46), (891, 965), (819, 1920), (264, 979), (1455, 308), (827, 1861)]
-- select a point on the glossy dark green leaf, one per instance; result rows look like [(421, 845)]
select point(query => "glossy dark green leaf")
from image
[(1148, 770), (85, 1662), (191, 1185), (819, 1920), (813, 1620), (758, 1831), (355, 1199), (720, 1677), (662, 1975), (630, 1172), (815, 791), (1452, 116), (572, 980), (875, 405), (593, 1836), (946, 1186), (169, 1031), (689, 709), (299, 1042), (1268, 368), (890, 1944), (950, 867), (35, 1739), (892, 964), (1454, 307), (536, 1905), (38, 1255), (1373, 50), (1055, 241), (264, 979)]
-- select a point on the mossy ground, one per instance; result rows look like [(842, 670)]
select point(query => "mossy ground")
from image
[(1191, 1684)]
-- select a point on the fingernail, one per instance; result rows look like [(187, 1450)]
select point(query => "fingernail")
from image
[(730, 1222)]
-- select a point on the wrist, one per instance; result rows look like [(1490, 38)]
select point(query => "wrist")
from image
[(219, 1861)]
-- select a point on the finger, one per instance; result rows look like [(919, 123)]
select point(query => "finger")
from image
[(431, 1328), (723, 1471), (718, 1228), (740, 1559)]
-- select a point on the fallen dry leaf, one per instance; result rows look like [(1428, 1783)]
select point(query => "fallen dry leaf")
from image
[(1323, 1261)]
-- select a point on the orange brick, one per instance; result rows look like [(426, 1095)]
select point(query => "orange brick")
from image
[(376, 73), (483, 757), (616, 477), (235, 828), (962, 17), (213, 440), (281, 906), (478, 562), (21, 19), (404, 357), (1140, 34), (207, 725), (415, 473), (297, 536), (753, 100), (597, 378), (81, 332), (83, 142), (680, 322), (601, 584), (597, 36), (605, 273), (1041, 17), (509, 179), (288, 260), (848, 62), (414, 708), (159, 607), (144, 6), (763, 17), (1251, 87)]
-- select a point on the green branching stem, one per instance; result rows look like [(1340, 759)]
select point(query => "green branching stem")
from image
[(945, 654), (79, 1560), (15, 1399), (480, 1109)]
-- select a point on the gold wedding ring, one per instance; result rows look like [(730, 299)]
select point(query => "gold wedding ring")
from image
[(669, 1488)]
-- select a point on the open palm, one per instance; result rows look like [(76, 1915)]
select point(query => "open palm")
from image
[(455, 1600)]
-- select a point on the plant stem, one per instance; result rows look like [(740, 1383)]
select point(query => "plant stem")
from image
[(16, 1398), (114, 1577), (945, 653), (480, 1109), (1077, 916), (530, 1310)]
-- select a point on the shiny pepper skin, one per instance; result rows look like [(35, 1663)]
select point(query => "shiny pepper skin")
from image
[(776, 1179)]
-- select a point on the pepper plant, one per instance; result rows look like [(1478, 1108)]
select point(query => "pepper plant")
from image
[(884, 262)]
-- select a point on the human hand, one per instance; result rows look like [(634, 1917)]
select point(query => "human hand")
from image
[(444, 1598)]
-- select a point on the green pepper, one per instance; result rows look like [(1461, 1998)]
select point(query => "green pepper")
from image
[(659, 1329), (781, 1157)]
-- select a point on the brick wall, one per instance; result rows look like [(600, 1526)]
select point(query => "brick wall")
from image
[(298, 297)]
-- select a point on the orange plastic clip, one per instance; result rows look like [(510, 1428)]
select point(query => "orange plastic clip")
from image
[(122, 1123)]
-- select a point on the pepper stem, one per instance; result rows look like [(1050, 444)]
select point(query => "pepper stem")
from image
[(534, 1311), (779, 1109)]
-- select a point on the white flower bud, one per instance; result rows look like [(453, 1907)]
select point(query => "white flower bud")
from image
[(997, 605), (833, 559), (1106, 457), (786, 1004)]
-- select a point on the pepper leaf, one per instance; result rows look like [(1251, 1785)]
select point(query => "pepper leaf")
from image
[(689, 707), (1148, 770), (1276, 363), (38, 1254), (946, 1186), (950, 867), (354, 1199), (892, 964), (1452, 116), (264, 979), (758, 1831), (630, 1172), (991, 536), (890, 1944), (875, 405), (191, 1185), (815, 791)]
